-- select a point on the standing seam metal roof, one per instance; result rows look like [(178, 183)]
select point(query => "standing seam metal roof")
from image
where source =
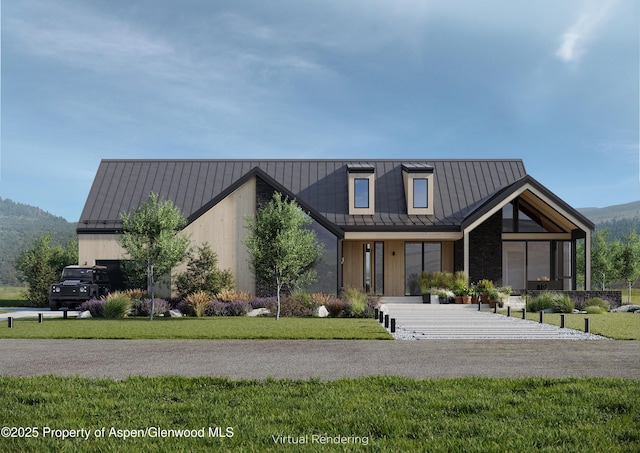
[(460, 186)]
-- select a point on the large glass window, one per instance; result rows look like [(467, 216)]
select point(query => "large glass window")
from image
[(361, 191), (514, 264), (538, 261), (327, 267), (419, 257), (420, 194), (378, 263)]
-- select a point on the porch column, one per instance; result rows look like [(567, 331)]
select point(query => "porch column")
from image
[(587, 260), (465, 236)]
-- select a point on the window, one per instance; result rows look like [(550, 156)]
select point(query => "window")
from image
[(361, 190), (361, 183), (420, 257), (418, 188), (420, 193)]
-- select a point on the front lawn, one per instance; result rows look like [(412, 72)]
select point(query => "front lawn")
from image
[(382, 414), (214, 328), (620, 326)]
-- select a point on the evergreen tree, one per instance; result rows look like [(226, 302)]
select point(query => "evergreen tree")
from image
[(41, 265)]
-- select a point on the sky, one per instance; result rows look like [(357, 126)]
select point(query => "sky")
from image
[(553, 82)]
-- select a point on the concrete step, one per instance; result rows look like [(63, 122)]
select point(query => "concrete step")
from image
[(455, 321)]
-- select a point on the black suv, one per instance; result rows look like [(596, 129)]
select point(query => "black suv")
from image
[(79, 284)]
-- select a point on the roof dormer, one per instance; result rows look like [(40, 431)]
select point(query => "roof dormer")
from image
[(418, 188), (361, 182)]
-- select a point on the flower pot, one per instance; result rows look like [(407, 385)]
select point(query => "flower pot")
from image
[(466, 299), (458, 299), (426, 298)]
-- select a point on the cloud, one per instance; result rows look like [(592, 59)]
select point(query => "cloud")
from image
[(574, 40)]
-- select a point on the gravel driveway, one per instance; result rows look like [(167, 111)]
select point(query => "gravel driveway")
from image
[(324, 359)]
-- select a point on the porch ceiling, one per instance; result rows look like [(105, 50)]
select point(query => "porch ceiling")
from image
[(548, 213)]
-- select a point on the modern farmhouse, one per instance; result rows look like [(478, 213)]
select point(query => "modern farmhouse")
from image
[(382, 222)]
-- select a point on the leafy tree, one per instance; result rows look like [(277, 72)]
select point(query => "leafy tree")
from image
[(603, 253), (628, 260), (152, 237), (41, 265), (283, 252), (203, 275)]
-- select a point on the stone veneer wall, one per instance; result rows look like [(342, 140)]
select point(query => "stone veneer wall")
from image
[(613, 297)]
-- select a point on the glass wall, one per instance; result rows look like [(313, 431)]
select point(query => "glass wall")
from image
[(419, 257), (533, 261), (327, 267)]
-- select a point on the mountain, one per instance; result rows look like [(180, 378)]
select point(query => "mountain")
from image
[(20, 224), (618, 219)]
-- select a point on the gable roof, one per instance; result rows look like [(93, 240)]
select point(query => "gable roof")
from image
[(461, 187)]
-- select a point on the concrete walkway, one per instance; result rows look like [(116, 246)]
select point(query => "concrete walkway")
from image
[(418, 321)]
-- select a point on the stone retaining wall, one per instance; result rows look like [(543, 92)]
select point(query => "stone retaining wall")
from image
[(614, 297)]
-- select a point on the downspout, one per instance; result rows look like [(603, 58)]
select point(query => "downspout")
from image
[(339, 266), (587, 260)]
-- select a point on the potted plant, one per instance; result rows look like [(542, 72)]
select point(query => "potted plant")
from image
[(484, 286), (466, 295), (503, 295), (443, 297), (494, 295), (426, 283)]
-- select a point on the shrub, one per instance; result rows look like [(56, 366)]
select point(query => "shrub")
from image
[(197, 303), (335, 307), (215, 308), (562, 303), (299, 304), (117, 305), (231, 295), (594, 310), (137, 294), (540, 303), (356, 301), (94, 306), (203, 275), (262, 302), (238, 308), (143, 307), (597, 302)]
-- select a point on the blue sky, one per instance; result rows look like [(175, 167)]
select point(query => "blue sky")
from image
[(552, 82)]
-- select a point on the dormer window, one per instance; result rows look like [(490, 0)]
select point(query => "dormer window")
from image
[(418, 188), (361, 183), (361, 193)]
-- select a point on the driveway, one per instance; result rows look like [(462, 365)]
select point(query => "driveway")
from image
[(324, 359)]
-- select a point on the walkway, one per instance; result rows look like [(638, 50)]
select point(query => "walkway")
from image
[(418, 321)]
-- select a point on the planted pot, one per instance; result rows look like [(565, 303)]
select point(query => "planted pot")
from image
[(426, 298), (466, 299)]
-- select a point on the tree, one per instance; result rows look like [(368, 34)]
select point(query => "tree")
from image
[(152, 237), (203, 275), (603, 255), (628, 260), (41, 264), (283, 252)]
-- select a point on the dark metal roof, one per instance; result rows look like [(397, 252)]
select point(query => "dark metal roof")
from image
[(320, 186)]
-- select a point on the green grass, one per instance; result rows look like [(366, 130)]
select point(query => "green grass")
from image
[(198, 328), (620, 326), (13, 296), (390, 413)]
